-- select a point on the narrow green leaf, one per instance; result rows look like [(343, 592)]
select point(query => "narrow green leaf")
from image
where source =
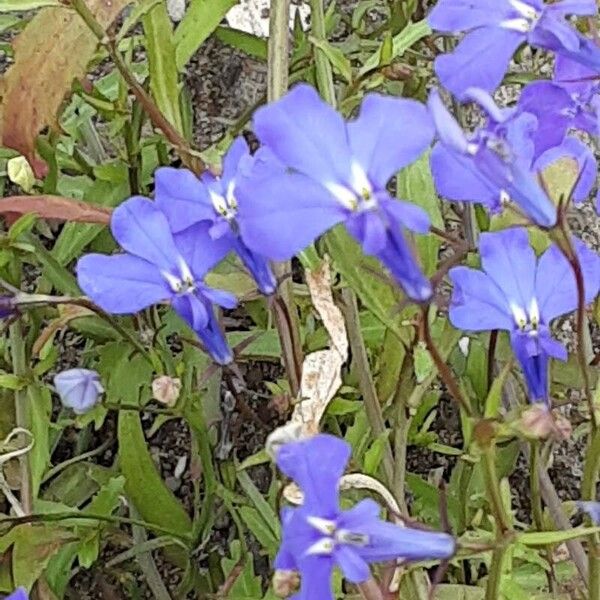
[(494, 398), (336, 57), (200, 20), (252, 45), (16, 5), (260, 529), (160, 46), (544, 538)]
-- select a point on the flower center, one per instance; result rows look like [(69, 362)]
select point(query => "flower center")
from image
[(527, 321), (333, 536), (184, 282), (226, 206), (358, 195), (526, 19)]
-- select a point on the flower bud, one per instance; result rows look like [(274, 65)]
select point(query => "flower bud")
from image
[(78, 389), (166, 390), (285, 583)]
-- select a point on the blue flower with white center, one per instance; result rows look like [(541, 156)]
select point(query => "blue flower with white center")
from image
[(319, 535), (496, 28), (159, 266), (521, 294)]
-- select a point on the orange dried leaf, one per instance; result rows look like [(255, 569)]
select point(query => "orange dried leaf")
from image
[(53, 50), (55, 207)]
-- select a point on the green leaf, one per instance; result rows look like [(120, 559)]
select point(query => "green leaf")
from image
[(247, 583), (424, 364), (494, 398), (144, 486), (260, 529), (450, 591), (40, 408), (335, 56), (252, 45), (160, 47), (9, 381), (410, 35), (374, 454), (16, 5), (545, 538), (200, 20), (415, 184)]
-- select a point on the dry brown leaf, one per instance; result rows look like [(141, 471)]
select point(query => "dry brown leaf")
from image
[(53, 50), (66, 315), (55, 207), (322, 370)]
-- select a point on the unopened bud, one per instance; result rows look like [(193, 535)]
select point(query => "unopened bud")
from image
[(7, 306), (285, 583), (538, 422), (166, 390)]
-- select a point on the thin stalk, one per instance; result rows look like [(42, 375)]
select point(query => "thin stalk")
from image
[(322, 65), (365, 379), (284, 306), (443, 369), (493, 488), (369, 590), (492, 589), (401, 427), (22, 402), (189, 157), (491, 355), (588, 492)]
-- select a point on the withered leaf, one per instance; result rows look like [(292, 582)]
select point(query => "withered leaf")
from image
[(52, 51), (55, 207)]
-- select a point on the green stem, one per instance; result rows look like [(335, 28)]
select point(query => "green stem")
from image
[(588, 492), (534, 484), (494, 582), (22, 413), (492, 484), (322, 65)]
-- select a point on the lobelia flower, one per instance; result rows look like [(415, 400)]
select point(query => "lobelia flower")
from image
[(78, 389), (493, 163), (521, 294), (591, 508), (19, 594), (186, 199), (157, 266), (496, 28), (338, 172), (318, 536)]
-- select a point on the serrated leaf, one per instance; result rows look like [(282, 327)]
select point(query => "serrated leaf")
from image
[(200, 20)]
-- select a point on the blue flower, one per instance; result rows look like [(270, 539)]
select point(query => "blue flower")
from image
[(592, 509), (319, 535), (496, 28), (78, 389), (19, 594), (337, 173), (186, 200), (518, 293), (493, 163), (158, 266)]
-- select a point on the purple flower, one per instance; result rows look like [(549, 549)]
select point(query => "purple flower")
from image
[(187, 200), (78, 389), (522, 295), (591, 508), (319, 535), (338, 172), (496, 28), (19, 594), (157, 266), (493, 163)]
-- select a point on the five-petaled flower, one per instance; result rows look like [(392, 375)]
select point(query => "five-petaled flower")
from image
[(496, 28), (493, 163), (78, 389), (319, 535), (186, 200), (521, 294), (157, 266), (338, 172)]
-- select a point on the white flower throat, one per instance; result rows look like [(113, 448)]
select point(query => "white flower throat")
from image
[(182, 284), (527, 19), (226, 206), (358, 195), (333, 536), (527, 321)]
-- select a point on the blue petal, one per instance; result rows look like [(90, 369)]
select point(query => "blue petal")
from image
[(487, 103), (200, 250), (452, 16), (259, 267), (306, 134), (19, 594), (404, 214), (573, 76), (182, 197), (198, 313), (592, 509), (354, 568), (555, 287), (587, 168), (285, 214), (480, 60), (121, 284), (509, 261), (316, 465), (389, 133), (534, 363), (142, 229), (78, 389), (237, 154), (574, 7), (369, 230), (448, 130), (457, 178), (315, 574), (477, 303)]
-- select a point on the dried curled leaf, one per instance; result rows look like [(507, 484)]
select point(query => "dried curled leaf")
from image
[(53, 50), (55, 207)]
